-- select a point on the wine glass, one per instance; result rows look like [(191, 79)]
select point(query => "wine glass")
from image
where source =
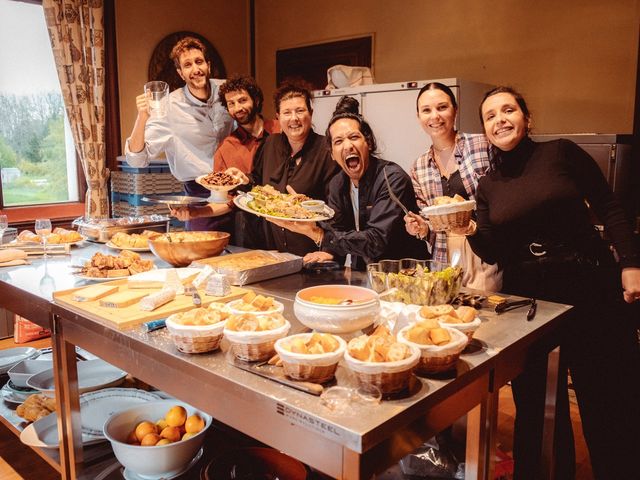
[(43, 228), (4, 223)]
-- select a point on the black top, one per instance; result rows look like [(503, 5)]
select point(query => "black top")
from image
[(537, 193), (274, 165), (382, 233), (453, 185)]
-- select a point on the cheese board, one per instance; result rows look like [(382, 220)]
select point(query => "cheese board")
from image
[(131, 315)]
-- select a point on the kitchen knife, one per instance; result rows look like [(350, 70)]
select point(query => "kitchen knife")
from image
[(532, 310), (393, 195), (264, 371)]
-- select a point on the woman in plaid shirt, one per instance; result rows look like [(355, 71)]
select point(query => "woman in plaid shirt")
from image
[(452, 165)]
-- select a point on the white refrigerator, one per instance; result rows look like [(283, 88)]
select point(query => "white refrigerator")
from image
[(390, 109)]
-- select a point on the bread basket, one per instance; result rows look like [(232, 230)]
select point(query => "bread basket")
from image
[(451, 215), (468, 328), (317, 368), (254, 346), (389, 377), (195, 338), (434, 358)]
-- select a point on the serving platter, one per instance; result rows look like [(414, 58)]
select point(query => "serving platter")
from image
[(43, 433), (12, 396), (175, 200), (131, 249), (97, 406), (92, 375), (242, 202), (106, 279), (13, 356)]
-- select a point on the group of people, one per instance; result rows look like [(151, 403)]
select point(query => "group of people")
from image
[(532, 234)]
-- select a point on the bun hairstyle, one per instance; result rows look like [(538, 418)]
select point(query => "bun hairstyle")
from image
[(348, 108)]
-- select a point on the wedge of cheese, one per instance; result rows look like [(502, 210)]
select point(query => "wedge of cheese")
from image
[(122, 299), (94, 292)]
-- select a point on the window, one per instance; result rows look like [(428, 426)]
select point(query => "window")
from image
[(37, 155)]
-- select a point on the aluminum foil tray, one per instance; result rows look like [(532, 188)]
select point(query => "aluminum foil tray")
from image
[(101, 230)]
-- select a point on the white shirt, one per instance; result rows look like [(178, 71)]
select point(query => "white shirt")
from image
[(188, 135)]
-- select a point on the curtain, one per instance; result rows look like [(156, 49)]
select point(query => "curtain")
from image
[(77, 38)]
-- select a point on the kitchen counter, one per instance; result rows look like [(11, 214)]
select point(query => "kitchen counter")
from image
[(355, 445)]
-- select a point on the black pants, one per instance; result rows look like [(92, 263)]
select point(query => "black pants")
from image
[(599, 345)]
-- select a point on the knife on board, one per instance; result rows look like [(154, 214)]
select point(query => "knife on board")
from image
[(263, 369)]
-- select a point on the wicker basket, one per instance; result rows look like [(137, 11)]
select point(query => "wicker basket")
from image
[(195, 338), (317, 368), (452, 215), (253, 352), (434, 358), (467, 328), (388, 377), (255, 346)]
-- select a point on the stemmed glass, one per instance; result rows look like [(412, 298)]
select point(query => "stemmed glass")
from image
[(43, 228), (4, 223)]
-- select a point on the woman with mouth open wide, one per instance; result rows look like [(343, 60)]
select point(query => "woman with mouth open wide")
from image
[(533, 219), (452, 165), (368, 225)]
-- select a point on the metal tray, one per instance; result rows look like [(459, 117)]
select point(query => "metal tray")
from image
[(285, 264), (175, 200), (102, 232)]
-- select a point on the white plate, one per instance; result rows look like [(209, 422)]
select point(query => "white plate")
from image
[(44, 433), (13, 356), (131, 249), (92, 375), (242, 201), (96, 407), (12, 396)]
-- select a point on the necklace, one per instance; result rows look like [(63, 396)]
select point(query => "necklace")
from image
[(443, 148)]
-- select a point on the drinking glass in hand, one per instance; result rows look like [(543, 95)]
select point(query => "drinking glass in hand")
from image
[(4, 223), (43, 228)]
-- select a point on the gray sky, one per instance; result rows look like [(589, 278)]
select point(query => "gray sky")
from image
[(26, 61)]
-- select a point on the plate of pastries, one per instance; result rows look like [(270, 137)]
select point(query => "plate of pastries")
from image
[(57, 236)]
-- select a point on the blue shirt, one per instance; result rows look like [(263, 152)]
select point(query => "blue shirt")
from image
[(187, 136)]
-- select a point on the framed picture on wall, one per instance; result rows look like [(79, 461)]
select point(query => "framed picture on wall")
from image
[(310, 63)]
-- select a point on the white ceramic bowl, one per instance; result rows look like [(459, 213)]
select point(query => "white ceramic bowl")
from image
[(337, 318), (152, 462), (313, 205), (24, 370), (231, 307)]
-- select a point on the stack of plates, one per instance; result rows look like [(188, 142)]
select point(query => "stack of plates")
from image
[(13, 394), (13, 356)]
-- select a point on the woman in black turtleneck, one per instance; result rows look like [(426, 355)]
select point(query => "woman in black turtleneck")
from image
[(533, 220)]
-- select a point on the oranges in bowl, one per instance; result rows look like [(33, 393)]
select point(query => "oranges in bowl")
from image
[(157, 438)]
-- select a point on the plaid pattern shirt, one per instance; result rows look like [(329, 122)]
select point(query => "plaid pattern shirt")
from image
[(473, 153)]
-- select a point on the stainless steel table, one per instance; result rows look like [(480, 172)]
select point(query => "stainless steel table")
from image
[(344, 446)]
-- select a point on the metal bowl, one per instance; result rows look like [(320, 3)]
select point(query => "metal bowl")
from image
[(181, 251)]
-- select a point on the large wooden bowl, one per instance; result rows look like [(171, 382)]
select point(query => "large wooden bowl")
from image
[(182, 250)]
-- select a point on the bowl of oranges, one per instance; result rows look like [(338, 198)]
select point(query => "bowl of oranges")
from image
[(157, 439)]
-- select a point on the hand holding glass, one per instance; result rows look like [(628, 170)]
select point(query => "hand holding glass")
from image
[(43, 228), (158, 97), (4, 223)]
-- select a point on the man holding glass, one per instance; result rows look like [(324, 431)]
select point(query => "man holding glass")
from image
[(189, 132)]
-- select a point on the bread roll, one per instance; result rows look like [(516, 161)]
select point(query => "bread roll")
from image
[(434, 311), (440, 336), (466, 314)]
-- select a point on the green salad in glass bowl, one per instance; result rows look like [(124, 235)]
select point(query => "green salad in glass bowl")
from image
[(418, 282)]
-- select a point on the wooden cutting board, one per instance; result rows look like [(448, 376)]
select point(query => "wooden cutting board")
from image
[(132, 315)]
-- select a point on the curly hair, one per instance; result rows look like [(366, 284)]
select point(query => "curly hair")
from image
[(289, 90), (187, 43), (239, 82)]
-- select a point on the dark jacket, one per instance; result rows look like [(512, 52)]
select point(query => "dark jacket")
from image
[(382, 232)]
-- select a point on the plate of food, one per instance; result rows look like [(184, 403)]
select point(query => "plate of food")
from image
[(102, 267), (56, 237), (266, 201), (135, 242), (219, 183)]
